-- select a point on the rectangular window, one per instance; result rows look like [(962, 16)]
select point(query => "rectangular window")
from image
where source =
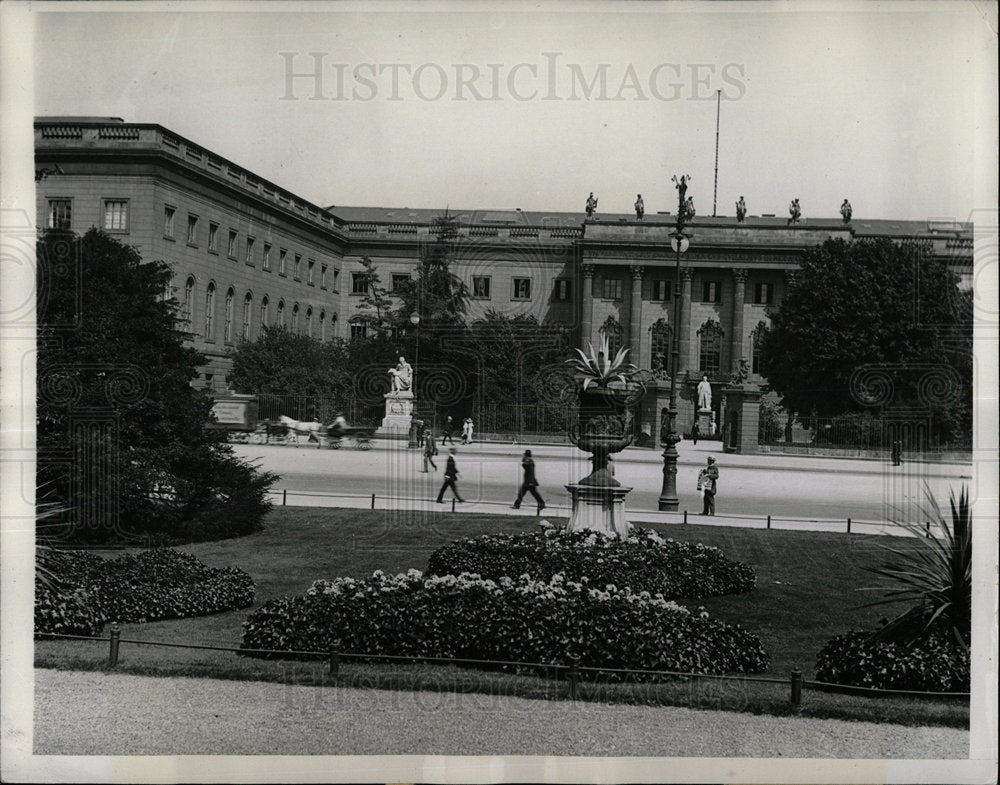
[(359, 285), (359, 331), (661, 290), (60, 213), (711, 292), (116, 215), (266, 259), (192, 229), (612, 289), (481, 286), (213, 237), (522, 288), (562, 289), (168, 222), (232, 244), (311, 272), (336, 279), (763, 294), (250, 244), (322, 276), (298, 267), (282, 259), (399, 281)]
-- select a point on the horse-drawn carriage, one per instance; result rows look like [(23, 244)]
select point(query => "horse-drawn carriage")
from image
[(285, 430)]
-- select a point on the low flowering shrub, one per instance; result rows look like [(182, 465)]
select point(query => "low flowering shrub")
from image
[(935, 663), (88, 591), (511, 620), (644, 561)]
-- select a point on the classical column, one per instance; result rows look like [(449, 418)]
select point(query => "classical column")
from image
[(736, 342), (684, 342), (635, 314), (587, 305)]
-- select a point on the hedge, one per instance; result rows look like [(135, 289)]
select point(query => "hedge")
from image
[(85, 591), (644, 561), (519, 620), (936, 663)]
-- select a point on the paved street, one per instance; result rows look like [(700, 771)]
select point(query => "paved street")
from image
[(796, 489)]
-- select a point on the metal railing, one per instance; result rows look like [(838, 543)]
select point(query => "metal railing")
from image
[(571, 670)]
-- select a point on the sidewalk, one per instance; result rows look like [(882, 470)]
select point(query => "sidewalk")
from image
[(695, 454)]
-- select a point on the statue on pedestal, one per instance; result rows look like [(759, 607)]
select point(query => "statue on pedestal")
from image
[(591, 205), (640, 207), (794, 211), (704, 394), (402, 376), (741, 210), (846, 211), (741, 374)]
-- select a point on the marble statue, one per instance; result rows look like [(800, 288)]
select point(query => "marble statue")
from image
[(704, 394), (402, 376)]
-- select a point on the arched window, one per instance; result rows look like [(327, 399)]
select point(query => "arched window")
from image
[(210, 312), (264, 306), (247, 310), (295, 318), (757, 337), (322, 326), (613, 331), (228, 331), (710, 347), (188, 305), (309, 322), (281, 313), (659, 346)]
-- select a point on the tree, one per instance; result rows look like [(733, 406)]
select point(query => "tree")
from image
[(873, 323), (376, 295), (123, 437), (282, 362)]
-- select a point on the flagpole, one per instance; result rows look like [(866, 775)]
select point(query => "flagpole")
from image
[(715, 190)]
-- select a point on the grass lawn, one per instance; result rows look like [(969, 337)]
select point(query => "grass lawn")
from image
[(806, 593)]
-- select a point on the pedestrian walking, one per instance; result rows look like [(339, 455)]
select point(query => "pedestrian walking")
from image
[(430, 449), (469, 426), (695, 432), (529, 484), (897, 453), (448, 430), (418, 429), (451, 475), (708, 483)]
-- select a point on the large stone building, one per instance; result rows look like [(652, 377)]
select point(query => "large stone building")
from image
[(246, 252)]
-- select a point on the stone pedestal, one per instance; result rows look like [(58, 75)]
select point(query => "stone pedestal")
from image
[(599, 508), (398, 415), (741, 419), (705, 423)]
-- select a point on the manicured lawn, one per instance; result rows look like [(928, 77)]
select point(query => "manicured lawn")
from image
[(806, 593)]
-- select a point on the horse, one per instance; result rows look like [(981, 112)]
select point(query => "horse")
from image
[(311, 430)]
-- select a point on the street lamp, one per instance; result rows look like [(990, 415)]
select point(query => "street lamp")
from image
[(669, 436), (415, 321)]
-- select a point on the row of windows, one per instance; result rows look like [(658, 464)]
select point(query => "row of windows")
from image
[(710, 338), (264, 319), (250, 249), (114, 215), (481, 286)]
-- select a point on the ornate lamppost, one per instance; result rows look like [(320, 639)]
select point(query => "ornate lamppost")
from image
[(669, 436), (415, 321)]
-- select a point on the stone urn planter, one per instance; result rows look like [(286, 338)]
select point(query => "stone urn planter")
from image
[(607, 397)]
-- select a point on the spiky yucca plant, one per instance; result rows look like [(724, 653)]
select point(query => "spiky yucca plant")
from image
[(598, 369), (936, 575)]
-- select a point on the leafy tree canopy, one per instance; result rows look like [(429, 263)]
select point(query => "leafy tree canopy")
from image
[(876, 303), (120, 428)]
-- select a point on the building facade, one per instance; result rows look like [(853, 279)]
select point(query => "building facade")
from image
[(246, 252)]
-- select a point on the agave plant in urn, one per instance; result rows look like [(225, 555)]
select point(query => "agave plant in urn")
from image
[(608, 393)]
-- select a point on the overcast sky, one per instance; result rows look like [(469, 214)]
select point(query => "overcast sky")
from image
[(892, 105)]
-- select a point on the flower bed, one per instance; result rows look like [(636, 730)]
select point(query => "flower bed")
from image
[(644, 561), (519, 620), (88, 591), (936, 663)]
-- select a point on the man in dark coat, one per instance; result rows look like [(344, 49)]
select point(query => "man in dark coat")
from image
[(448, 428), (450, 476), (695, 432), (529, 484), (709, 481)]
